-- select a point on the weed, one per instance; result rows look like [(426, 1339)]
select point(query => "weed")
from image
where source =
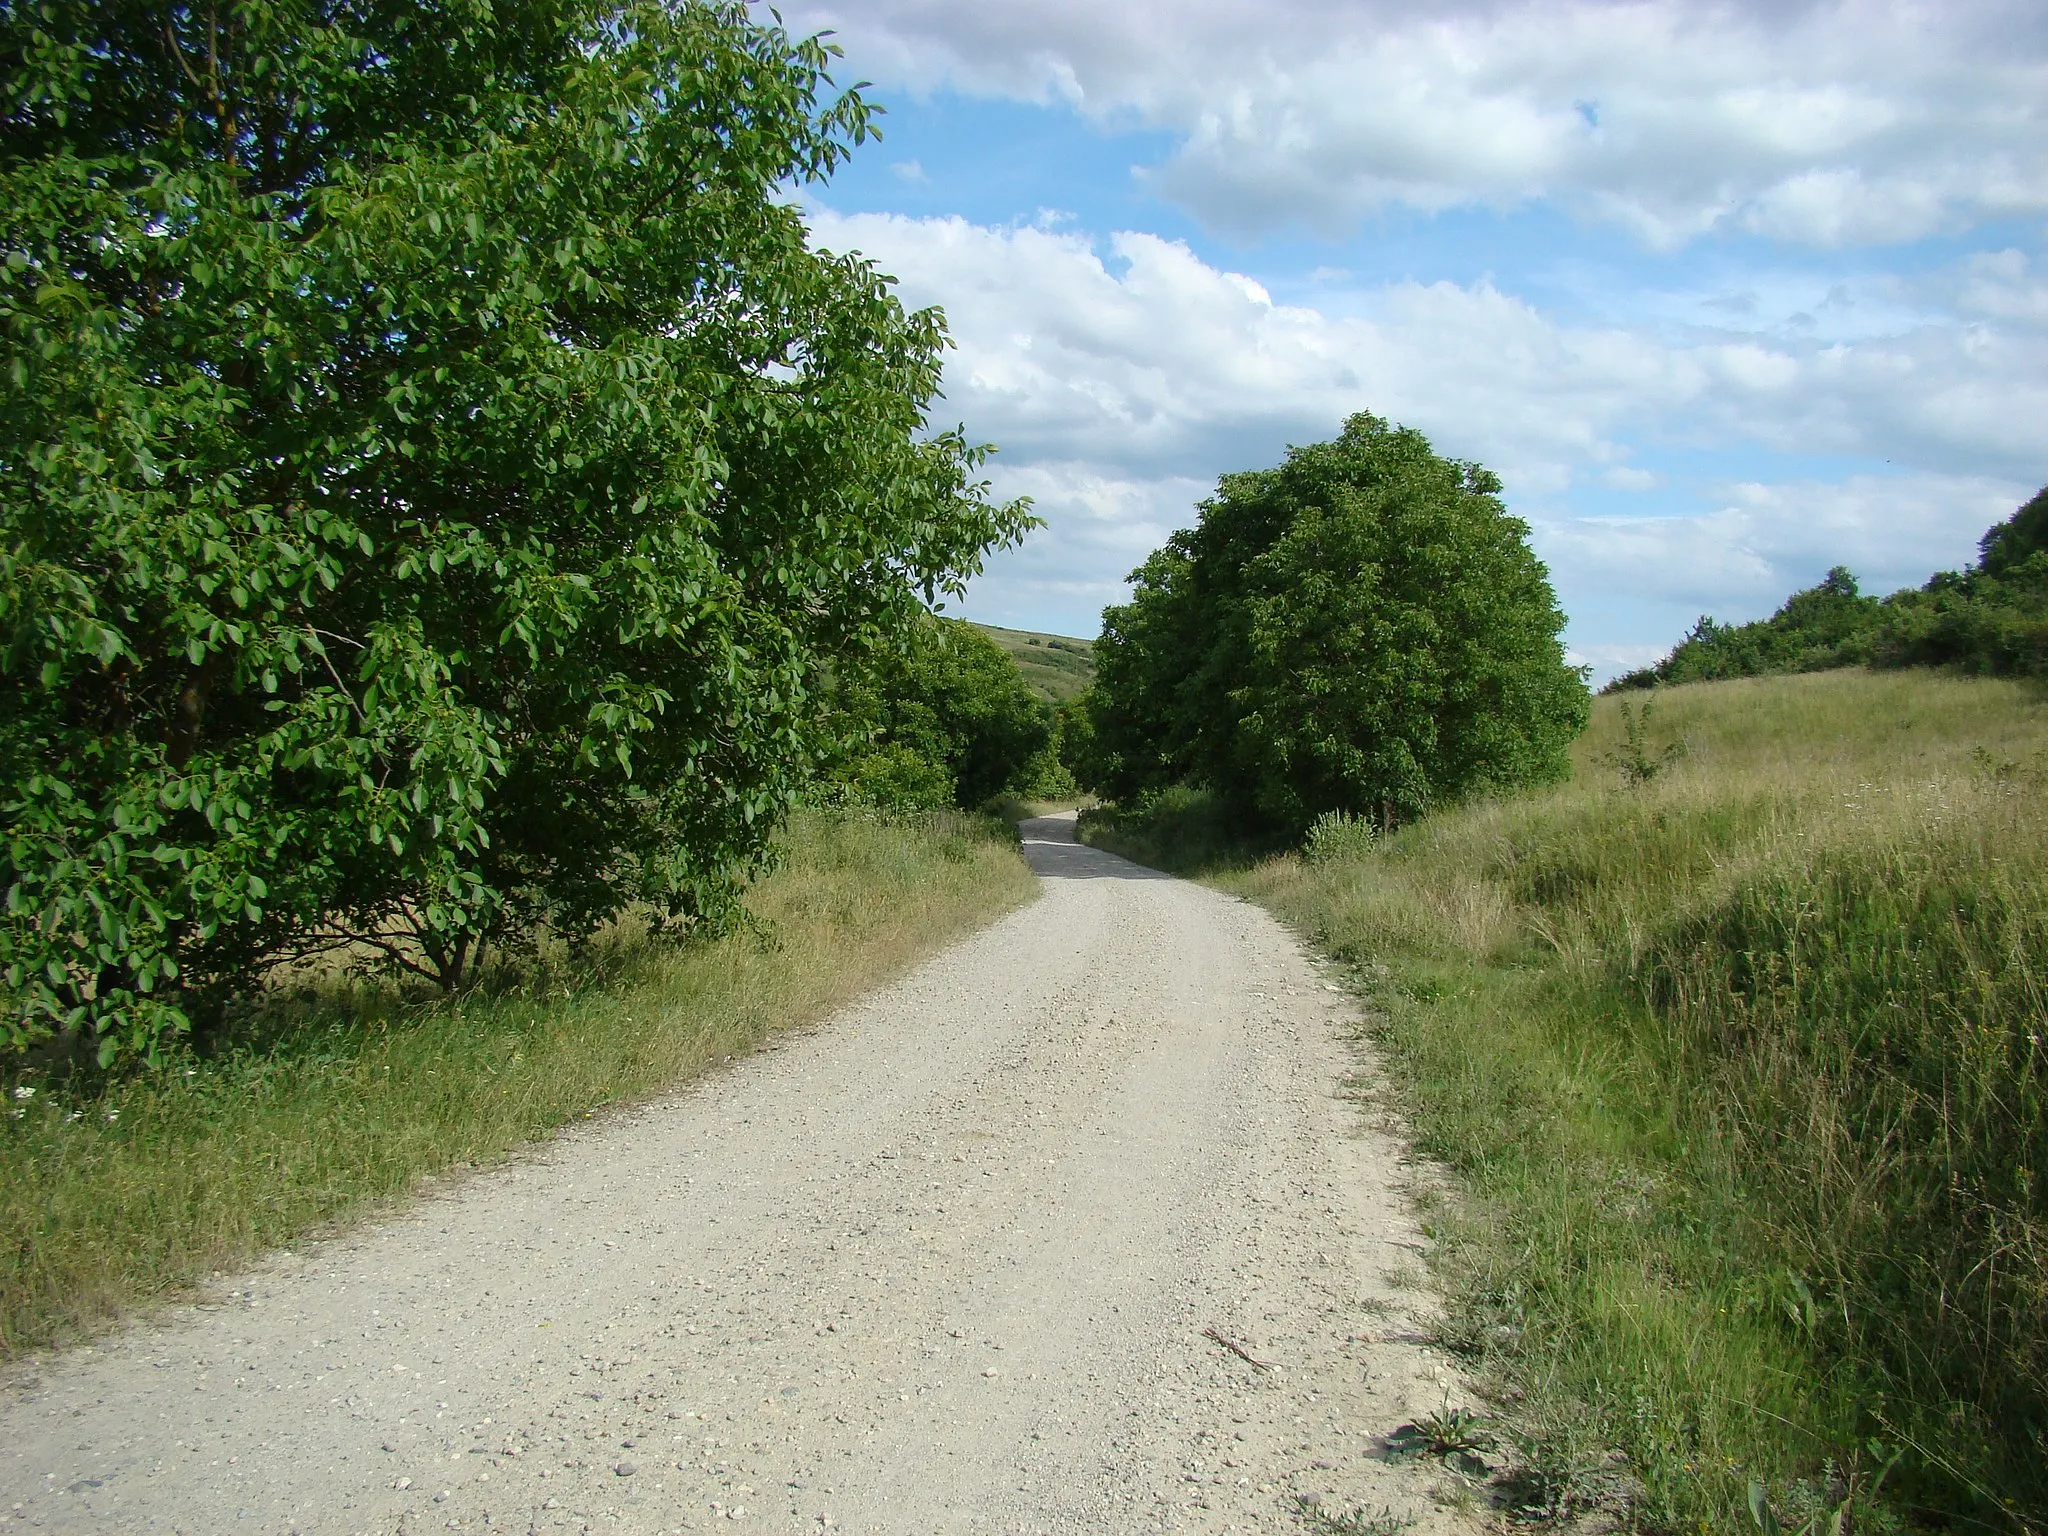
[(1339, 835), (1450, 1431), (1638, 763), (1822, 1506), (1459, 1436), (1355, 1522)]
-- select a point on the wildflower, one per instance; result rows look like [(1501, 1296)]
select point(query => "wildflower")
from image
[(24, 1092), (113, 1115), (72, 1116)]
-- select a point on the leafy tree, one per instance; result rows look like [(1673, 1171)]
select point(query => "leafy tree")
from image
[(1830, 624), (436, 469), (944, 717), (1991, 618), (1362, 629), (1074, 742), (2012, 544)]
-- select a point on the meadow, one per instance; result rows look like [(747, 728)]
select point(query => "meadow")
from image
[(1058, 667), (1733, 1043), (338, 1095)]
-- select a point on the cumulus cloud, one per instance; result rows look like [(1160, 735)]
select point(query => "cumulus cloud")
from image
[(1744, 557), (1847, 122), (1120, 377), (1134, 351)]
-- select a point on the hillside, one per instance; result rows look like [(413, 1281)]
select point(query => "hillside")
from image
[(1057, 666), (1734, 1040)]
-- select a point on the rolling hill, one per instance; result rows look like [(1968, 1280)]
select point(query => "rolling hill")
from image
[(1057, 666)]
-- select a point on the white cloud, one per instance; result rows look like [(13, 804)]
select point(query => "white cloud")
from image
[(2002, 285), (1745, 557), (1120, 379), (1847, 122), (1140, 354)]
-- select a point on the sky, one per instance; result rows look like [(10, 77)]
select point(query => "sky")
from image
[(1727, 294)]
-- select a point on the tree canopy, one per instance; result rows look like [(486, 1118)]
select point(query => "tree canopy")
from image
[(437, 470), (1991, 617), (1362, 629), (946, 718)]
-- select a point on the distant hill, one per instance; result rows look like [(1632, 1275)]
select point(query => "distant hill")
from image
[(1989, 617), (1057, 666)]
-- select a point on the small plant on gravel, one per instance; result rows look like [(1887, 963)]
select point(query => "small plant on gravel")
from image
[(1451, 1430), (1353, 1522), (1459, 1435)]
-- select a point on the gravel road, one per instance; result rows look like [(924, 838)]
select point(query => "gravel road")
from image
[(950, 1262)]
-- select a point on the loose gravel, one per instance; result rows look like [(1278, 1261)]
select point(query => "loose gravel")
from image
[(986, 1253)]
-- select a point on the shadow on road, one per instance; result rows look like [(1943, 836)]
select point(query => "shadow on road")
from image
[(1051, 850)]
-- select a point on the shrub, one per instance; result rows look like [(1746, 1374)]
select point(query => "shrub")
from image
[(1991, 618)]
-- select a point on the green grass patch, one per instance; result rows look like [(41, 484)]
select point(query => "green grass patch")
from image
[(1735, 1043), (1057, 667), (342, 1096)]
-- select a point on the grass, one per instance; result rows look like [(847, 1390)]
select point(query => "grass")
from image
[(122, 1192), (1735, 1043), (1057, 666)]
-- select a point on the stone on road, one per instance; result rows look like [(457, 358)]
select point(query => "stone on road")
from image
[(985, 1253)]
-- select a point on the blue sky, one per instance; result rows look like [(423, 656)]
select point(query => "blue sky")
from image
[(1727, 294)]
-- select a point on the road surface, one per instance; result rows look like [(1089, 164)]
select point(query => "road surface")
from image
[(977, 1256)]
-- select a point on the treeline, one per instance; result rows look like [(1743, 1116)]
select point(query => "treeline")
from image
[(946, 719), (1362, 631), (447, 498), (1990, 618)]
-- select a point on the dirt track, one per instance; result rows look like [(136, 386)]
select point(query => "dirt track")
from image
[(944, 1264)]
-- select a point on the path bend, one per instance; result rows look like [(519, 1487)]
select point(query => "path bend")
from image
[(958, 1260)]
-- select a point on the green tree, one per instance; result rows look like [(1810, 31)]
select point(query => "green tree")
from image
[(1830, 624), (1362, 629), (1991, 617), (436, 471), (944, 717)]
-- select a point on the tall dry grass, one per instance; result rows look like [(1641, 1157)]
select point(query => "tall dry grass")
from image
[(1737, 1040), (117, 1191)]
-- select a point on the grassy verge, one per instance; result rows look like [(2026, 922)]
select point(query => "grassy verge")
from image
[(1735, 1043), (128, 1190)]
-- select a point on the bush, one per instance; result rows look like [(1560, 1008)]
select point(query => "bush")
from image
[(1991, 619), (1339, 835), (1828, 625)]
